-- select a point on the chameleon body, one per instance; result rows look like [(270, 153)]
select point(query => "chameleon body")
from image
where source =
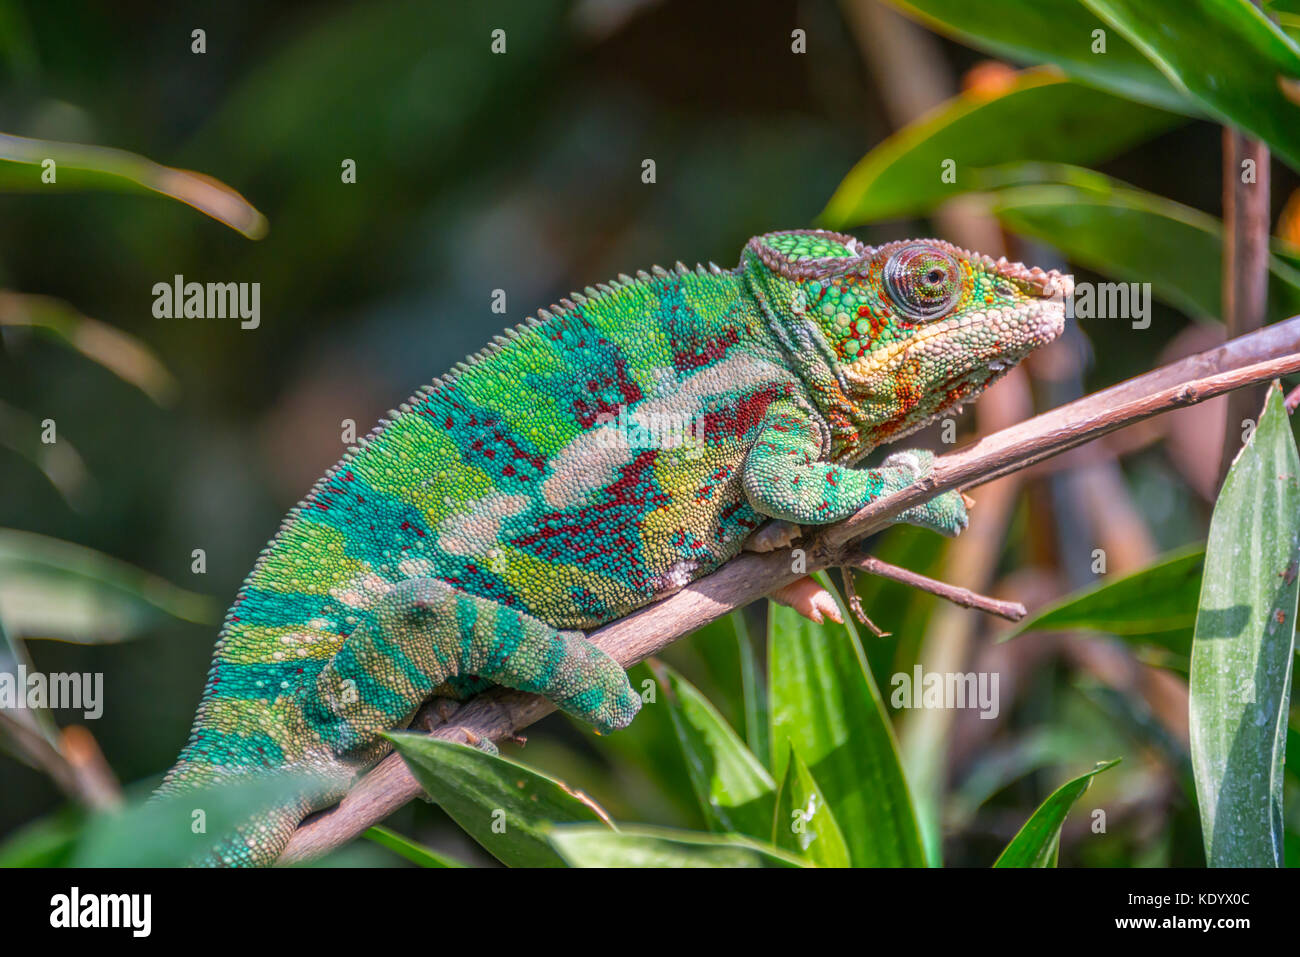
[(589, 461)]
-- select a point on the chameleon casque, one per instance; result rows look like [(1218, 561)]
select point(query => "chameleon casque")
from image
[(508, 507)]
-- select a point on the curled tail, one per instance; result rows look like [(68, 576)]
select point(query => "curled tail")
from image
[(422, 633)]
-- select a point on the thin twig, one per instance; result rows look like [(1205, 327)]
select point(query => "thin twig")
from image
[(500, 713), (1246, 231), (1010, 610), (855, 603), (73, 762)]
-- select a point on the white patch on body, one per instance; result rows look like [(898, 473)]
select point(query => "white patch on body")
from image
[(472, 532), (362, 592), (591, 461)]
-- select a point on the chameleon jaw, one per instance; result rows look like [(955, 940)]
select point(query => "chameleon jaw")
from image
[(1025, 326)]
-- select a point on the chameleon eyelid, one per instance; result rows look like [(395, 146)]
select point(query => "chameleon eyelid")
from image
[(900, 285)]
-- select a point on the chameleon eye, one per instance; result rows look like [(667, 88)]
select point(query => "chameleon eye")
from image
[(923, 281)]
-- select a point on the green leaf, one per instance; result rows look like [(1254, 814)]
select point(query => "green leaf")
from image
[(411, 850), (805, 824), (1151, 600), (1059, 32), (162, 833), (123, 355), (49, 841), (757, 726), (1134, 236), (60, 462), (79, 166), (55, 589), (735, 791), (1037, 118), (1225, 53), (504, 805), (1037, 843), (1241, 655), (662, 847), (825, 703), (38, 720)]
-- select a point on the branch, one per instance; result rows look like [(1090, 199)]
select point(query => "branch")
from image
[(500, 713)]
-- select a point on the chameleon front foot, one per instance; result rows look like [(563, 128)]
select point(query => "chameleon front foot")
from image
[(945, 513)]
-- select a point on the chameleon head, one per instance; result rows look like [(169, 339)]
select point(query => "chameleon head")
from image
[(911, 329)]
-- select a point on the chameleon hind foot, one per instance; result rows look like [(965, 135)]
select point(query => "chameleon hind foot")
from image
[(809, 599)]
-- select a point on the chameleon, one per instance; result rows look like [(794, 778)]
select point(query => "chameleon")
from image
[(589, 461)]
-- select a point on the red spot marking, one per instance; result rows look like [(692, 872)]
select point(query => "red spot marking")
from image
[(588, 411), (711, 350)]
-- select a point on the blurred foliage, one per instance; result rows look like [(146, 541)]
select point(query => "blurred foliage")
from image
[(521, 172)]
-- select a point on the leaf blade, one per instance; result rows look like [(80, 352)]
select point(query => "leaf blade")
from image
[(1038, 840), (1159, 597), (413, 851), (805, 824), (504, 805), (902, 176), (1061, 33), (1240, 679), (82, 166), (1226, 54), (583, 846), (53, 588), (826, 704), (734, 789), (1128, 233)]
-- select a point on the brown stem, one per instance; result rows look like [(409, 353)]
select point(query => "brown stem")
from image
[(500, 713)]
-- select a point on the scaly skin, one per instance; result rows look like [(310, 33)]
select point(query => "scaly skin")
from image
[(586, 463)]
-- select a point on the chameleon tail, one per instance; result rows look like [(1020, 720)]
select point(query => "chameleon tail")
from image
[(420, 635)]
